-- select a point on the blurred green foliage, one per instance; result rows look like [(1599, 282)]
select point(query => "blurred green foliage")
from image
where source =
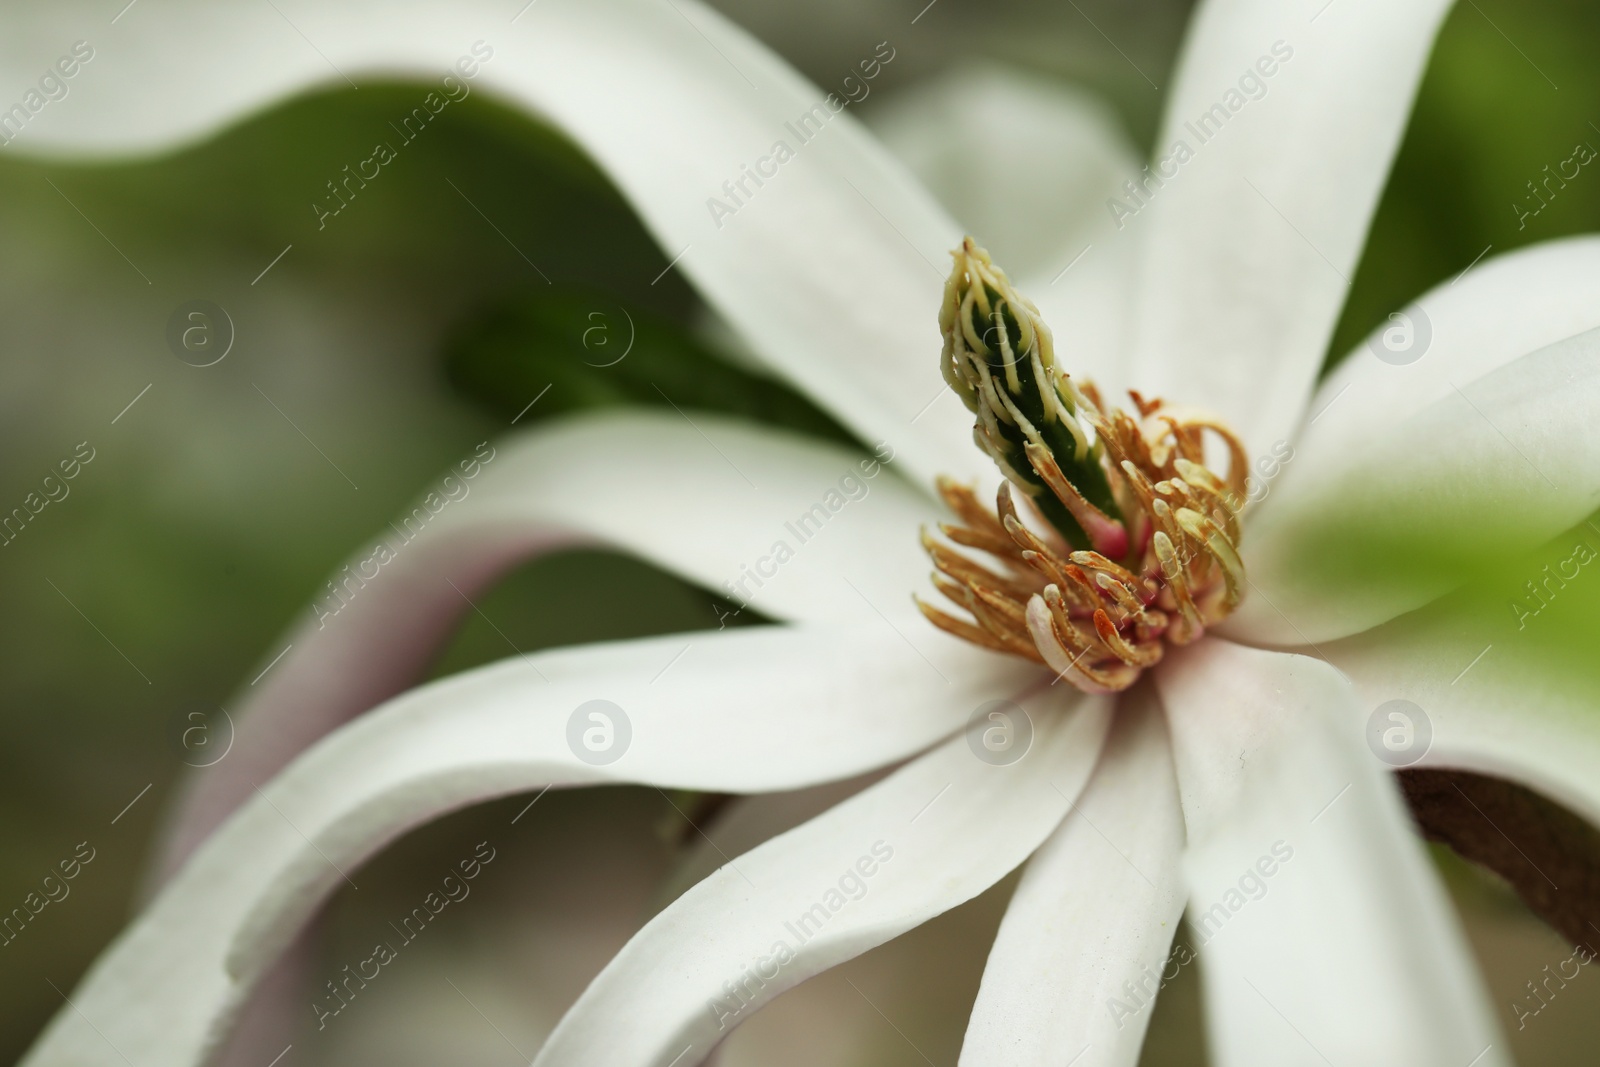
[(574, 350)]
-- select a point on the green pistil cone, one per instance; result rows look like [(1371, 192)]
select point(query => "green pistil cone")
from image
[(1000, 359)]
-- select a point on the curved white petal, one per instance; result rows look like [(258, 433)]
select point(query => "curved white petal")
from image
[(923, 980), (1087, 299), (1495, 467), (838, 1016), (758, 709), (772, 519), (1322, 930), (275, 1007), (1064, 153), (935, 833), (707, 498), (1501, 680), (831, 268), (750, 821), (563, 893), (1043, 215), (1461, 330), (1503, 308), (1249, 246), (1079, 958)]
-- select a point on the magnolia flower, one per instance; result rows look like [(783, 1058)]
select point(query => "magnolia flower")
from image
[(1225, 772)]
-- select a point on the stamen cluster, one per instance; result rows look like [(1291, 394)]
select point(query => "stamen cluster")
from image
[(1138, 543)]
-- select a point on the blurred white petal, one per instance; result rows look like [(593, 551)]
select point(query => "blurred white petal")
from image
[(1064, 150), (1495, 467), (1501, 309), (836, 702), (1043, 214), (707, 498), (747, 822), (1503, 682), (1322, 930), (1249, 247), (1082, 950), (934, 834), (671, 100)]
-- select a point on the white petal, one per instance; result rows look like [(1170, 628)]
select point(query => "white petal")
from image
[(831, 269), (1493, 468), (1250, 245), (759, 709), (936, 833), (708, 499), (1325, 936), (1500, 681), (749, 821), (1044, 215), (276, 1006), (1065, 152), (1080, 954), (1087, 299), (923, 980), (711, 499), (563, 893), (1501, 309)]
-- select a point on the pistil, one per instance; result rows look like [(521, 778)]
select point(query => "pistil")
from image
[(1133, 542)]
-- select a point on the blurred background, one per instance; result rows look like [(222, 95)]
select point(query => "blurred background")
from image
[(409, 331)]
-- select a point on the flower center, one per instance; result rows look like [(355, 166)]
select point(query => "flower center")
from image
[(1135, 541)]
